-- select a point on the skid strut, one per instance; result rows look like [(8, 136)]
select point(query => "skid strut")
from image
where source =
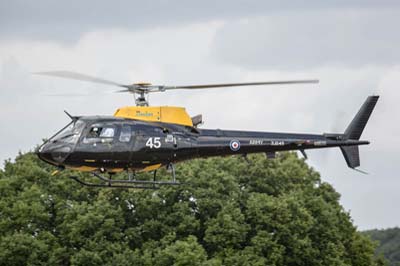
[(131, 182)]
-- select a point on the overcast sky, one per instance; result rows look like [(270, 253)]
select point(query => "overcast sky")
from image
[(351, 46)]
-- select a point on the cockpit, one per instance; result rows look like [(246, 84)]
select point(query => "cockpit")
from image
[(106, 132), (57, 148), (70, 133), (84, 134), (99, 133)]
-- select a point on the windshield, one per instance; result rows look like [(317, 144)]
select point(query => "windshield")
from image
[(70, 133)]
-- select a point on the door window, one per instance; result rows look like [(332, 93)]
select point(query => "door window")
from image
[(100, 134), (125, 135)]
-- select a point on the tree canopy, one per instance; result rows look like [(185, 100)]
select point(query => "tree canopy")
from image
[(229, 212), (389, 244)]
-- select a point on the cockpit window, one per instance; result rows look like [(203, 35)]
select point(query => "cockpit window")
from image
[(100, 133), (125, 135), (71, 133), (107, 132)]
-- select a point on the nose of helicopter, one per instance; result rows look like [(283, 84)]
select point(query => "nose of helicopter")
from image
[(53, 154), (44, 156)]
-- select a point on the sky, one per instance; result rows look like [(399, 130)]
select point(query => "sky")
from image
[(352, 47)]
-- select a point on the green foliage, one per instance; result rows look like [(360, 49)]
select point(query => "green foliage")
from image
[(389, 244), (229, 212)]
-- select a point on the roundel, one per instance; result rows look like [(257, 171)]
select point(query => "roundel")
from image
[(234, 145)]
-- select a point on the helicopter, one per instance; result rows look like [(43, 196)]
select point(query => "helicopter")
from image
[(144, 138)]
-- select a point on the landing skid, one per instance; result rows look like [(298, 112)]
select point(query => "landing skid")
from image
[(129, 183)]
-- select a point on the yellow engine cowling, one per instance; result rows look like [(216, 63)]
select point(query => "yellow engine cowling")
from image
[(166, 114)]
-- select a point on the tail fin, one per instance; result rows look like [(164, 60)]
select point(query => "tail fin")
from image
[(354, 130), (351, 155), (356, 127)]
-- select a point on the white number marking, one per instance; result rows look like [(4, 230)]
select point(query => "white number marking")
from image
[(277, 143), (256, 142), (153, 143)]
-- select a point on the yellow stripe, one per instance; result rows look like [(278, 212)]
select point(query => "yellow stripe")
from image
[(91, 169), (83, 168), (151, 168)]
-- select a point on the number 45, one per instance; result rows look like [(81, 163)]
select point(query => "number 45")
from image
[(153, 143)]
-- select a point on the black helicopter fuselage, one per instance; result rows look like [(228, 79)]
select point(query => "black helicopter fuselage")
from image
[(114, 144), (144, 138)]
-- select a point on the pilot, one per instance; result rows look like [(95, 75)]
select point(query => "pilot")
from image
[(94, 133)]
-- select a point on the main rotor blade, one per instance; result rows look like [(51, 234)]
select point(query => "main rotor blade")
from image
[(144, 88), (206, 86), (79, 76), (66, 95)]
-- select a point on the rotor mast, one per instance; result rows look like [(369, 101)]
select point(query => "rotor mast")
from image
[(141, 98)]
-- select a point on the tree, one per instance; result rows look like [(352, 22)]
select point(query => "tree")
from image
[(388, 244), (228, 212)]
